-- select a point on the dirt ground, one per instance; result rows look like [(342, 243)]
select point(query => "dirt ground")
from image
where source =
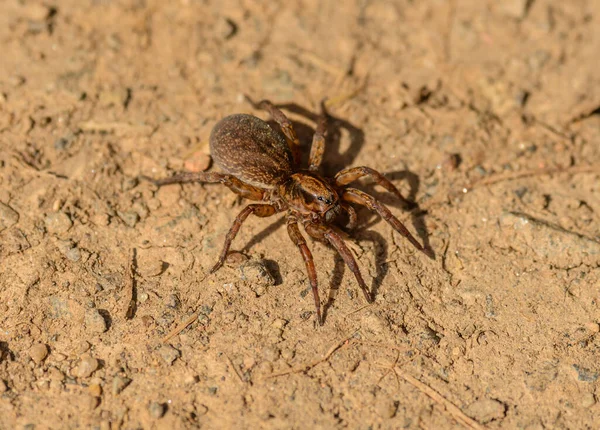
[(485, 113)]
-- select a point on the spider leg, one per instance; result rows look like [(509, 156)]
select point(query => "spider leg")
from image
[(352, 217), (356, 196), (300, 242), (231, 182), (262, 211), (284, 123), (320, 231), (318, 144), (344, 177)]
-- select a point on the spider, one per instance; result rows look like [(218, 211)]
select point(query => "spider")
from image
[(262, 164)]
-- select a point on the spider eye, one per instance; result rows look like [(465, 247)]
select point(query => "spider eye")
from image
[(320, 198)]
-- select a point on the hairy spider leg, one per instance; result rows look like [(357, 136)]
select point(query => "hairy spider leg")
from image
[(300, 242), (320, 231), (284, 123), (318, 143), (353, 195), (234, 184), (262, 211), (352, 217), (344, 177)]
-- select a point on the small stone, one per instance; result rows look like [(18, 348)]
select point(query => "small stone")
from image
[(173, 301), (130, 218), (235, 259), (515, 8), (257, 275), (190, 379), (55, 374), (58, 222), (8, 217), (279, 323), (38, 353), (264, 368), (288, 354), (36, 12), (129, 184), (157, 410), (197, 162), (271, 353), (587, 400), (228, 317), (73, 254), (95, 390), (3, 386), (87, 365), (119, 384), (58, 357), (82, 347), (92, 402), (143, 297), (386, 408), (486, 410), (585, 375), (169, 354), (94, 322)]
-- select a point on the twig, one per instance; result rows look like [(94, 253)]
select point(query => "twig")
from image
[(130, 308), (511, 176), (453, 410), (181, 327), (306, 367), (235, 370)]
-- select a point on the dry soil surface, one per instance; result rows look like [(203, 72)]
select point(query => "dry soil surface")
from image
[(485, 113)]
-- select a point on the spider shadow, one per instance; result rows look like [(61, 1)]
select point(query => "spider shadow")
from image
[(334, 158), (416, 213), (381, 266)]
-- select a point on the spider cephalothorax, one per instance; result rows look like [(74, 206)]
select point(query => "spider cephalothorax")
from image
[(259, 163)]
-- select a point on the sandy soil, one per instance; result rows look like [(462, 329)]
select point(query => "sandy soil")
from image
[(483, 112)]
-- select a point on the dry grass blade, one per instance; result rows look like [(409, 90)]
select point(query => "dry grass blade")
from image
[(452, 409), (307, 366)]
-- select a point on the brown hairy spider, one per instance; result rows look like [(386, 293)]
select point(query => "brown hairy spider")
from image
[(261, 164)]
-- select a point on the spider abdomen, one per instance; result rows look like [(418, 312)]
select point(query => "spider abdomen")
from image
[(249, 149)]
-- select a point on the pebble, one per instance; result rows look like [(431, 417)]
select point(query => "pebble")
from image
[(197, 162), (486, 410), (235, 258), (130, 218), (264, 368), (8, 217), (73, 254), (86, 366), (95, 390), (58, 222), (92, 402), (190, 379), (38, 352), (169, 354), (386, 408), (94, 322), (55, 374), (119, 384), (82, 347), (256, 273), (3, 387), (36, 12), (271, 353), (129, 184), (584, 374), (157, 410), (172, 301)]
